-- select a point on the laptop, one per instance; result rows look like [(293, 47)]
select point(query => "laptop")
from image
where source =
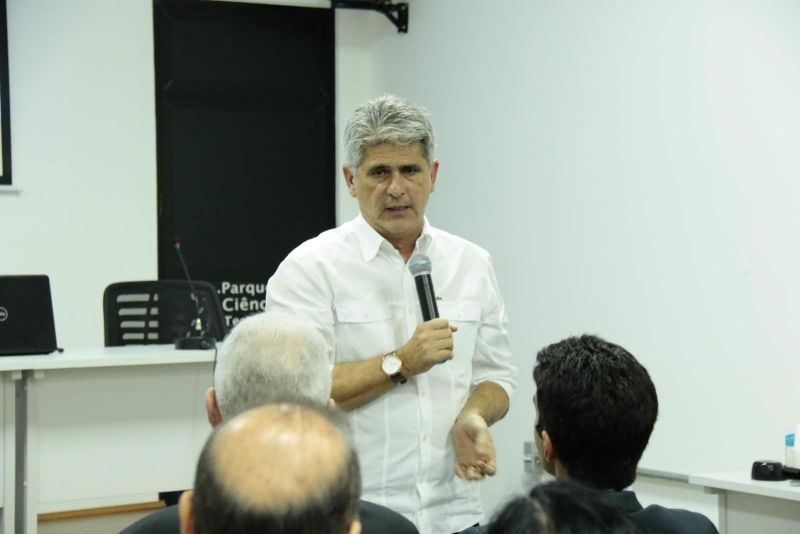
[(26, 316)]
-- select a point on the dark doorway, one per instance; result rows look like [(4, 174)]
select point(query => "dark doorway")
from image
[(245, 140)]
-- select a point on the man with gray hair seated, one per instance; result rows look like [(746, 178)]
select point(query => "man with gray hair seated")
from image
[(268, 358), (271, 358)]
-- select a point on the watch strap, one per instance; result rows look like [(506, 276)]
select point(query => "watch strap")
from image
[(398, 378)]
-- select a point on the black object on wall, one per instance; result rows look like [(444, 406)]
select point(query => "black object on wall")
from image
[(5, 107), (397, 13), (245, 140)]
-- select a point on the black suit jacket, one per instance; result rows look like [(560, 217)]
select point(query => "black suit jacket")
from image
[(375, 519), (659, 520), (651, 520)]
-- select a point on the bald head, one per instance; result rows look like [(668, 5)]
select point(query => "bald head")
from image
[(262, 458), (278, 468)]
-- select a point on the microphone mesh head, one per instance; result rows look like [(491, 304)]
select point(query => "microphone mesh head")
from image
[(419, 264)]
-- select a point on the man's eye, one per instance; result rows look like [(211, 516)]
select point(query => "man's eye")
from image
[(410, 169), (378, 173)]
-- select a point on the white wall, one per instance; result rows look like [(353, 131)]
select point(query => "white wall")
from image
[(83, 153), (633, 168)]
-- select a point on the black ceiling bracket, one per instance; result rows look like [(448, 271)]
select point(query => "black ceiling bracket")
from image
[(397, 13)]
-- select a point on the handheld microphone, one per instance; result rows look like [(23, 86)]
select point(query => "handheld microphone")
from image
[(767, 470), (420, 266), (200, 340)]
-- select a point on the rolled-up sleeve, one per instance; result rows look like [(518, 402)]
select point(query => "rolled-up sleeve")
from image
[(492, 361)]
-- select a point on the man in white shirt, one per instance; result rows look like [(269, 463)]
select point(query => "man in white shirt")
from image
[(422, 395)]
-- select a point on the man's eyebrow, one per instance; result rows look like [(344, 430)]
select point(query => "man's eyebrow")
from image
[(377, 167)]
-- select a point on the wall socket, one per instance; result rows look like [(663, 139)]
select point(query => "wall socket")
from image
[(530, 458)]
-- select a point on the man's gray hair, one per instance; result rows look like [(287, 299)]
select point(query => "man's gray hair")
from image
[(387, 119), (268, 358)]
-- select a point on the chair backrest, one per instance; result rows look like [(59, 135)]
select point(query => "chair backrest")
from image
[(159, 311)]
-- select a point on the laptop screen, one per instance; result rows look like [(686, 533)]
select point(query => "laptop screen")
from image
[(26, 316)]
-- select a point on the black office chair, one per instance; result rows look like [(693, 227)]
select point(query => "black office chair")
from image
[(159, 311)]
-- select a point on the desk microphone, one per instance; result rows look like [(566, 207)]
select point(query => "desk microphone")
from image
[(766, 470), (200, 340), (420, 266)]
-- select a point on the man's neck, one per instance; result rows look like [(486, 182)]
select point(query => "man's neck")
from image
[(560, 471), (405, 245), (406, 249)]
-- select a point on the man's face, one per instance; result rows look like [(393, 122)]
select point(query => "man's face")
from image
[(392, 186)]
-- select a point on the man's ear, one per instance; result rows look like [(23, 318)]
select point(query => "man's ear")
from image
[(185, 512), (212, 408), (349, 179), (355, 527), (434, 172), (548, 450)]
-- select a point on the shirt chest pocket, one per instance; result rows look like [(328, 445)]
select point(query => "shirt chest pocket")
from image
[(364, 329), (466, 315)]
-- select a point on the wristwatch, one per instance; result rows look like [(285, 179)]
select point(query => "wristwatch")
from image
[(391, 365)]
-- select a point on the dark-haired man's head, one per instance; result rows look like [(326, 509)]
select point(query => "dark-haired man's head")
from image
[(596, 407), (280, 468), (561, 507)]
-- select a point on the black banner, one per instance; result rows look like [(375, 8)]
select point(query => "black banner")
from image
[(245, 140)]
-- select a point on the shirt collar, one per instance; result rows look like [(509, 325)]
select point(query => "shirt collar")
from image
[(370, 241)]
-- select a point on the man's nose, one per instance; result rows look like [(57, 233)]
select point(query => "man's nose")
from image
[(396, 186)]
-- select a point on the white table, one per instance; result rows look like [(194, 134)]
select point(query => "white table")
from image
[(749, 506), (99, 427)]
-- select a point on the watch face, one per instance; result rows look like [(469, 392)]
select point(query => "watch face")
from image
[(391, 365)]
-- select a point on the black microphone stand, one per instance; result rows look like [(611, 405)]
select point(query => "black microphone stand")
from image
[(201, 340)]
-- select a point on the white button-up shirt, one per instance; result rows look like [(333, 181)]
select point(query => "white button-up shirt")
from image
[(354, 286)]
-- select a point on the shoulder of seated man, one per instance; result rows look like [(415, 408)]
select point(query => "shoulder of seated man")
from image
[(658, 519)]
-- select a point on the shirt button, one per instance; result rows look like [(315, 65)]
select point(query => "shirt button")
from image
[(424, 437)]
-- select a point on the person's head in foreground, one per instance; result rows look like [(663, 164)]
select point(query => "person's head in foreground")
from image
[(596, 407), (561, 507), (266, 358), (280, 468)]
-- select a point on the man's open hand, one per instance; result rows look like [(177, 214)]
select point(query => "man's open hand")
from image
[(474, 447)]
